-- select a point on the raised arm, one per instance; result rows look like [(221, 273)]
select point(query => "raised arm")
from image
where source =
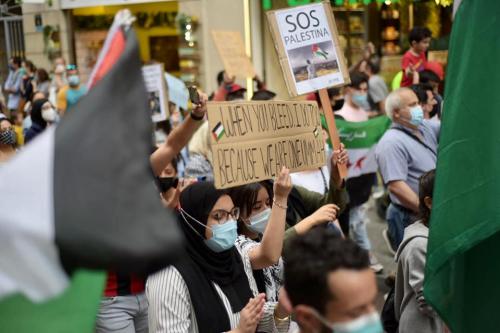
[(179, 137), (268, 251)]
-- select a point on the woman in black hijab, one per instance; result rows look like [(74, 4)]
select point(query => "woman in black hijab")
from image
[(38, 124), (208, 289)]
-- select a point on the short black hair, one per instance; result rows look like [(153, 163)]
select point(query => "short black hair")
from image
[(310, 258), (425, 189), (263, 95), (420, 90), (427, 76), (374, 64), (236, 95), (357, 78), (418, 34), (220, 77)]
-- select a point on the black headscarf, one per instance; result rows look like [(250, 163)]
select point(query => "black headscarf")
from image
[(202, 266), (36, 112)]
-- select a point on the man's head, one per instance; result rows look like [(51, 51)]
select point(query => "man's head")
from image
[(59, 65), (235, 93), (428, 76), (357, 90), (420, 39), (425, 97), (372, 66), (329, 282), (403, 107), (15, 63), (73, 76)]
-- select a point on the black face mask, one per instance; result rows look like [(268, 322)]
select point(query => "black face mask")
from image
[(339, 103), (166, 183)]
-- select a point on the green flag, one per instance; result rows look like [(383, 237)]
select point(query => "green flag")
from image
[(360, 139), (462, 280), (72, 312)]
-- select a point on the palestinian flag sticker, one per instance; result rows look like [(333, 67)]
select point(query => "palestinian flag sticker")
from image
[(218, 131)]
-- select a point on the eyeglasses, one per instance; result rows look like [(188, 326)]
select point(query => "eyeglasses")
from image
[(222, 216)]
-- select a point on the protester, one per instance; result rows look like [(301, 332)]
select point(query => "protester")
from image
[(426, 98), (7, 140), (28, 84), (429, 77), (261, 229), (12, 86), (70, 94), (412, 311), (377, 88), (225, 84), (359, 188), (200, 155), (209, 289), (356, 99), (38, 122), (59, 79), (414, 60), (405, 152), (42, 82), (330, 285), (263, 95)]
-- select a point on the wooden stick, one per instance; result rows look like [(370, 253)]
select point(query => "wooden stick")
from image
[(332, 128)]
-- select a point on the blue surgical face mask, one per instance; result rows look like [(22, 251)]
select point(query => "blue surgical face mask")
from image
[(417, 115), (223, 235), (361, 100), (73, 80), (369, 323), (258, 222)]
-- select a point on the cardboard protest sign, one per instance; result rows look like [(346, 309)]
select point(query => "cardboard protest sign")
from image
[(157, 91), (309, 52), (177, 91), (232, 52), (252, 141)]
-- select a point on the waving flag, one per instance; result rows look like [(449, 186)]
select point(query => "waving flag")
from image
[(82, 195), (462, 273), (360, 139), (318, 52)]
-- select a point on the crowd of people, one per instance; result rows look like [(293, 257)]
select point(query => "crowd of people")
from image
[(286, 255)]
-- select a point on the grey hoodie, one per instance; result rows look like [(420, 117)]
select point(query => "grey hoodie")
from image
[(412, 311)]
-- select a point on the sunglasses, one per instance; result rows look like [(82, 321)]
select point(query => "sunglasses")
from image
[(71, 67)]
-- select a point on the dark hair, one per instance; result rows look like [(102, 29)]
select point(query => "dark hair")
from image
[(263, 95), (427, 76), (332, 92), (357, 78), (232, 96), (244, 197), (311, 257), (425, 189), (42, 75), (7, 120), (220, 78), (418, 34), (420, 90), (374, 64), (17, 61), (30, 65)]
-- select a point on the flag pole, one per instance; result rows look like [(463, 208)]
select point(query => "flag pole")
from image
[(332, 128)]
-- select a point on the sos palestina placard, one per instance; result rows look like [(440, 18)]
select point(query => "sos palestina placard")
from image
[(306, 39)]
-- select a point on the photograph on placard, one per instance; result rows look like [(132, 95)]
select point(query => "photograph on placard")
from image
[(157, 91), (320, 60)]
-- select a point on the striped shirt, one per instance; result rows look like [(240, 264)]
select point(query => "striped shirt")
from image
[(171, 310)]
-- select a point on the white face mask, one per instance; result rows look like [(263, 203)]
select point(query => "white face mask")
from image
[(258, 222), (49, 115), (368, 323)]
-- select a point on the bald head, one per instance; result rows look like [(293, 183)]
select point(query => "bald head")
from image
[(398, 100)]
